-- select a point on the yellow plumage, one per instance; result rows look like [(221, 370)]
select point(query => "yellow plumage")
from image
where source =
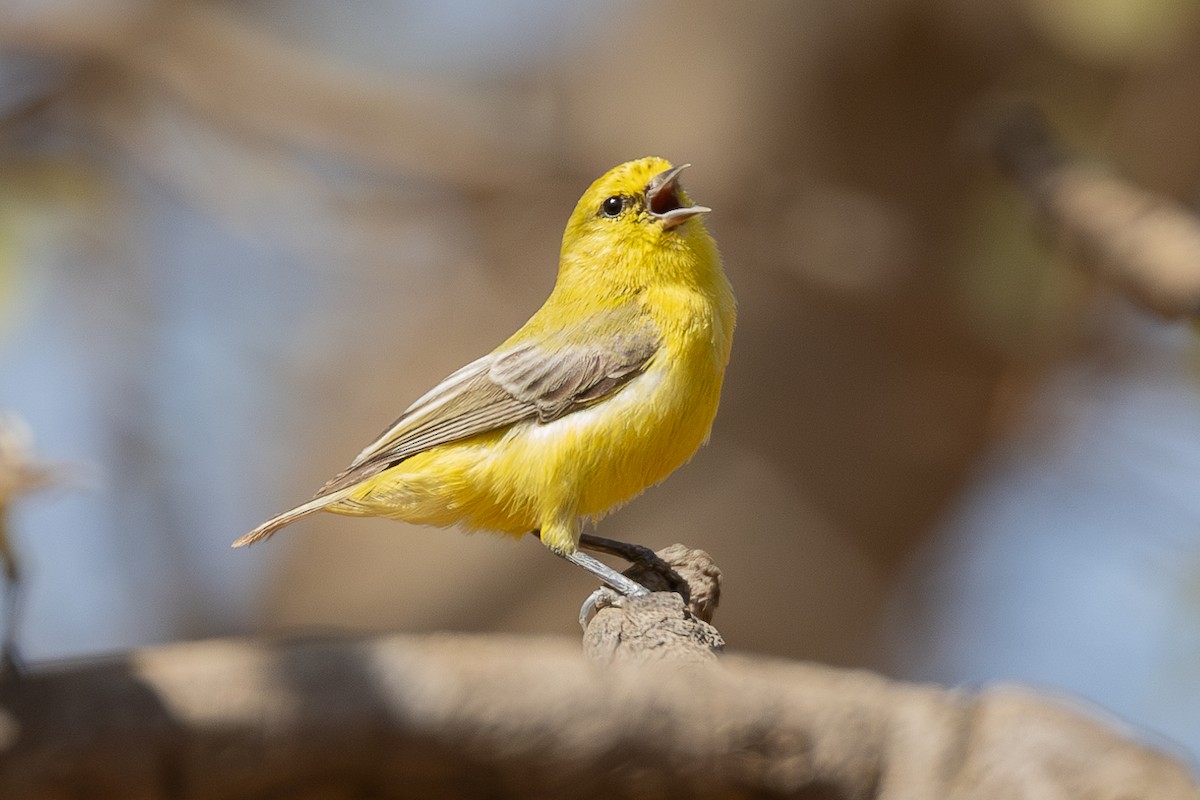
[(606, 390)]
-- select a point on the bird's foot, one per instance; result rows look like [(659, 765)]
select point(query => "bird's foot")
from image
[(603, 597)]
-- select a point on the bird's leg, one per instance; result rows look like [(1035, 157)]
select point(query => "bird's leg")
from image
[(634, 554), (615, 584), (606, 574)]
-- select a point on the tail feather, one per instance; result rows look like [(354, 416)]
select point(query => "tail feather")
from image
[(268, 528)]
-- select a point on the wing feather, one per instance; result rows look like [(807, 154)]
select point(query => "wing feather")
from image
[(529, 380)]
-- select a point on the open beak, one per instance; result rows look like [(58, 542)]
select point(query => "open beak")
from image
[(664, 201)]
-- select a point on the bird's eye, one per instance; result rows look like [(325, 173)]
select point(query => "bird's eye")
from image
[(613, 206)]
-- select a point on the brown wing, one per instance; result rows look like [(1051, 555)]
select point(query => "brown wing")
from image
[(556, 382), (510, 385)]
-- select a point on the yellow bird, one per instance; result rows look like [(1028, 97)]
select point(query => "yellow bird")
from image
[(605, 391)]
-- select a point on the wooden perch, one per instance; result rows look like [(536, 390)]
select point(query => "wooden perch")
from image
[(1146, 245), (663, 626), (502, 716)]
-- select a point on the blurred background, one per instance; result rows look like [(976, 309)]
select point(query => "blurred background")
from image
[(237, 239)]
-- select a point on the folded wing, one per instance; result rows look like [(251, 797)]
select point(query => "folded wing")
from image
[(531, 380)]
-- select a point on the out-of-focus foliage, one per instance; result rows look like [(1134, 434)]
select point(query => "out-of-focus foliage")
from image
[(1014, 296), (1116, 32)]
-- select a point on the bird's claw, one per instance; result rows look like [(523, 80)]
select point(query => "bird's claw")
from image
[(603, 597)]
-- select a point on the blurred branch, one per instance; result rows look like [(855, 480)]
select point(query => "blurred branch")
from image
[(250, 82), (73, 30), (479, 716), (222, 66), (21, 472), (1145, 244)]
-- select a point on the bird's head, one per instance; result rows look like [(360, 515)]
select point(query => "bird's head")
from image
[(637, 210)]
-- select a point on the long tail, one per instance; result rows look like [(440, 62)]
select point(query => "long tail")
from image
[(268, 528)]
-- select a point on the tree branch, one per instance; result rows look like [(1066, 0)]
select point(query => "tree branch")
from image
[(1146, 245), (497, 716)]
